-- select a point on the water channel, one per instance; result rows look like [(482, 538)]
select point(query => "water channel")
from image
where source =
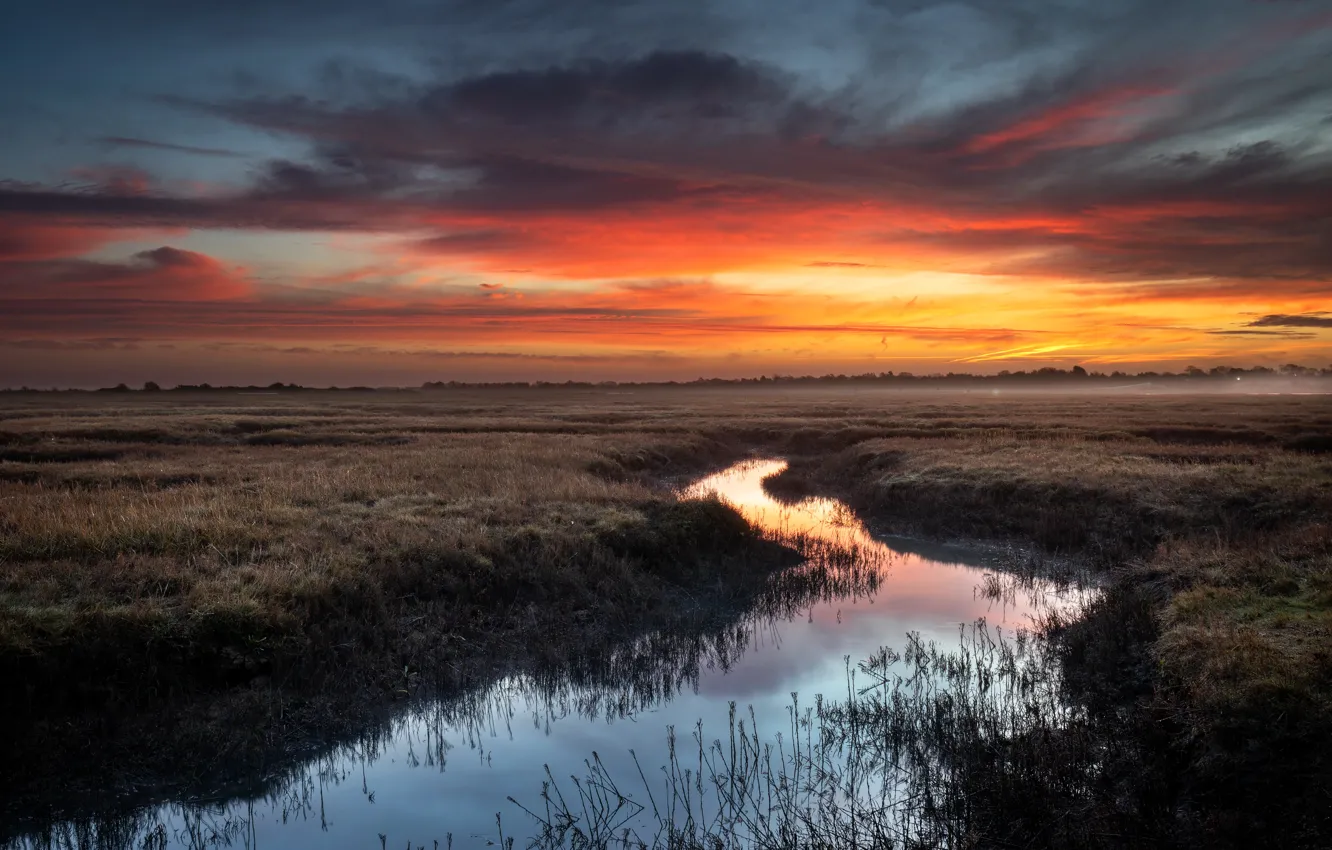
[(444, 772)]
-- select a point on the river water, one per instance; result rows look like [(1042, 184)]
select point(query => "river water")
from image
[(445, 772)]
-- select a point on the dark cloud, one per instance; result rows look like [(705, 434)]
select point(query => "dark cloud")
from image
[(670, 89), (99, 205), (37, 209), (1120, 163), (167, 257), (129, 142), (1283, 334), (1302, 320)]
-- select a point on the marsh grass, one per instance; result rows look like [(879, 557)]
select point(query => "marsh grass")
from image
[(223, 591), (238, 550), (615, 679), (1206, 667)]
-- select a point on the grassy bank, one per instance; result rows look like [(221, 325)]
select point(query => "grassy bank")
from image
[(234, 583), (214, 563), (1207, 666), (227, 552)]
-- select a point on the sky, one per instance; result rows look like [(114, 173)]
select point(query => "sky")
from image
[(347, 192)]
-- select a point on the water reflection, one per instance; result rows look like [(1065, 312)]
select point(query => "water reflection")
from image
[(443, 772)]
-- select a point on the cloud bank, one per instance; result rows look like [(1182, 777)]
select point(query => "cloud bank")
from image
[(1059, 176)]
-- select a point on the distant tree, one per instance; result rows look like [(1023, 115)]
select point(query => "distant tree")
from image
[(151, 387), (1079, 372)]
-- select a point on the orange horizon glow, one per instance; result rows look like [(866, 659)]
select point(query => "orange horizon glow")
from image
[(682, 214), (779, 285)]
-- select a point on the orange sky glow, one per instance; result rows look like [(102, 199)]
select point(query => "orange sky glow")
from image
[(675, 214)]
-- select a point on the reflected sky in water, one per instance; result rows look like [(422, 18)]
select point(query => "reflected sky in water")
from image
[(450, 766)]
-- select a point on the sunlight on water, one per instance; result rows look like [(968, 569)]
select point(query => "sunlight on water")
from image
[(741, 486), (920, 576)]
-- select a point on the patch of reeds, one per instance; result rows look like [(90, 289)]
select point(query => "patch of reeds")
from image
[(968, 747)]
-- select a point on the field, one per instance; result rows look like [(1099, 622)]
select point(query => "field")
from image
[(242, 574)]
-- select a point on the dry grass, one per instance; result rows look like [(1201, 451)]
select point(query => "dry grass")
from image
[(179, 542), (236, 601), (192, 544), (246, 508), (1222, 542)]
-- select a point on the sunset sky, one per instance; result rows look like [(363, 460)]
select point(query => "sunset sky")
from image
[(342, 191)]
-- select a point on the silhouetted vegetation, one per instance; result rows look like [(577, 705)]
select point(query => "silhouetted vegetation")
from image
[(1290, 377)]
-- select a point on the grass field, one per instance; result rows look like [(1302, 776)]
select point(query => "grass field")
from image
[(219, 549)]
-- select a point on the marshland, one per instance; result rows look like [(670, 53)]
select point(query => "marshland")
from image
[(797, 616)]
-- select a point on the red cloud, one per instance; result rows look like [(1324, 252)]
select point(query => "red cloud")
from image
[(45, 240), (162, 274), (494, 174), (1090, 120)]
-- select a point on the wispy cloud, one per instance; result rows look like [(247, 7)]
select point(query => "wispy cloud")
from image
[(114, 142), (1025, 352)]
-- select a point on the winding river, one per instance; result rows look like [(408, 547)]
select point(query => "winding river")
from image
[(444, 772)]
